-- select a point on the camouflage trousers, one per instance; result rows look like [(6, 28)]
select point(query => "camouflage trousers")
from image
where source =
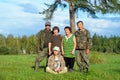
[(40, 57), (82, 60)]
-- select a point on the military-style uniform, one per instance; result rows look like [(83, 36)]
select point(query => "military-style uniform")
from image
[(43, 39), (83, 41)]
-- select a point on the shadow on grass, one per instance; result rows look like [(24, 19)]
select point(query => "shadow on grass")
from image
[(1, 77), (116, 70), (40, 67)]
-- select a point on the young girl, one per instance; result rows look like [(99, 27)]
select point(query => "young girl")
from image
[(56, 62)]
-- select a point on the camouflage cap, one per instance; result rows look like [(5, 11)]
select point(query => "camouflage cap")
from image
[(47, 24)]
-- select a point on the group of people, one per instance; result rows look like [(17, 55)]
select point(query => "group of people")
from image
[(61, 51)]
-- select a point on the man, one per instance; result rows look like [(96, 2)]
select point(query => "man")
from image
[(84, 43), (56, 63), (43, 39)]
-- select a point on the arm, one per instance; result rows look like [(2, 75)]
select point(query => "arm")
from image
[(50, 62), (74, 40), (89, 43), (41, 36), (62, 47), (39, 42), (49, 48)]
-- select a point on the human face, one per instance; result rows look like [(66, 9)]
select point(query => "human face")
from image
[(80, 26), (67, 31), (47, 27), (55, 52), (55, 31)]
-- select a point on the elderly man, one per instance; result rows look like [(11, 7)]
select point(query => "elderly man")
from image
[(84, 43), (43, 39)]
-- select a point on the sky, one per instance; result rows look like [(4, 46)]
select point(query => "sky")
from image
[(21, 17)]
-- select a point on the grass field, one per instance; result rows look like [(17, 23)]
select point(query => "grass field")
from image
[(20, 67)]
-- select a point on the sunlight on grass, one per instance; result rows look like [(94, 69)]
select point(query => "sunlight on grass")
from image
[(20, 67), (96, 57)]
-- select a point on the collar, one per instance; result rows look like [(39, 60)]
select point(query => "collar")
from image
[(68, 37), (81, 30)]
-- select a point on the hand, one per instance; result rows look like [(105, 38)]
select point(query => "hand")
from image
[(62, 52), (87, 51), (57, 70), (73, 52), (49, 53)]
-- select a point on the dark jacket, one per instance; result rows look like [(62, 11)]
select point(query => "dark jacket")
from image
[(43, 38)]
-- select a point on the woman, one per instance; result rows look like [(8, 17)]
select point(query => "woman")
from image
[(68, 48), (55, 40)]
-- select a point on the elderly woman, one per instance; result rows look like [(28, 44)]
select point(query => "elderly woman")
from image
[(55, 39), (68, 48), (56, 62)]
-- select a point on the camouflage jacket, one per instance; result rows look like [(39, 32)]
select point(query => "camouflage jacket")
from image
[(43, 39), (83, 39), (51, 61)]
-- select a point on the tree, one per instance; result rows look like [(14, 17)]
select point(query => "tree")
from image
[(10, 41), (2, 40), (90, 6), (24, 43), (32, 46), (18, 45), (4, 50), (118, 46)]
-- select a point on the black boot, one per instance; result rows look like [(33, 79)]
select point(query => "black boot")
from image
[(70, 70)]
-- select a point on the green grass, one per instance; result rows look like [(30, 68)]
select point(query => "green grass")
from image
[(20, 67)]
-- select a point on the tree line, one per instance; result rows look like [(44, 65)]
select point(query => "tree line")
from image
[(105, 44), (18, 45), (28, 44)]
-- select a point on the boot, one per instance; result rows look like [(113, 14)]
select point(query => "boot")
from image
[(82, 69), (36, 66), (70, 70), (86, 70)]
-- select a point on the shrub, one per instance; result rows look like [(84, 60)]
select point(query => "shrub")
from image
[(96, 58), (4, 50), (12, 51)]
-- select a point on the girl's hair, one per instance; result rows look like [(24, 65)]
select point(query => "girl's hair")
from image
[(69, 28)]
